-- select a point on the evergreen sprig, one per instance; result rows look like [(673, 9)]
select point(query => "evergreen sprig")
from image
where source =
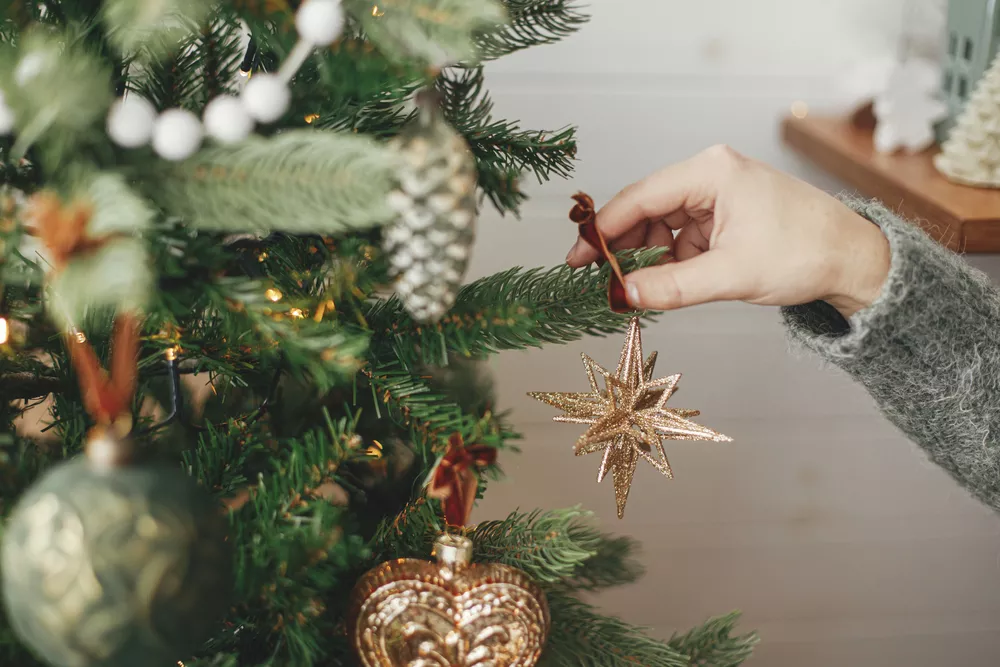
[(532, 23), (511, 310), (713, 644), (302, 181), (294, 549), (501, 147), (433, 32), (583, 637), (549, 546), (415, 404), (560, 546)]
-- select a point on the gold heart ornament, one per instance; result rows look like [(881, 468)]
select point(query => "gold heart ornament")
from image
[(449, 613)]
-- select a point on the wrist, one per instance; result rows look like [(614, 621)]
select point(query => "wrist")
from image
[(862, 268)]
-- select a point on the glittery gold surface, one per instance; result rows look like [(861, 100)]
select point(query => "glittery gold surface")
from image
[(628, 418), (414, 613)]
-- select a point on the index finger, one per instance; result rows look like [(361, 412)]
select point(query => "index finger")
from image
[(685, 186)]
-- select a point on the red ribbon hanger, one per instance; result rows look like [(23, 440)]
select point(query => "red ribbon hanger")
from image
[(585, 216)]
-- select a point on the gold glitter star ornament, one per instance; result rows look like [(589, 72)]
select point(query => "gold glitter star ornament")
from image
[(628, 418)]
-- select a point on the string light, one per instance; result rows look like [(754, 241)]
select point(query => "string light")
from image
[(273, 295), (375, 451), (171, 353), (4, 331), (376, 12), (296, 313), (311, 118)]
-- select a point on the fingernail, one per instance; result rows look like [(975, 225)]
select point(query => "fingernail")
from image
[(572, 251), (633, 294)]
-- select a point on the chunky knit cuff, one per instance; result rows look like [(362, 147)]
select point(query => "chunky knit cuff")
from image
[(930, 292), (927, 350)]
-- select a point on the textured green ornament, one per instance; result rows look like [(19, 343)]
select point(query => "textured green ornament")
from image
[(115, 567)]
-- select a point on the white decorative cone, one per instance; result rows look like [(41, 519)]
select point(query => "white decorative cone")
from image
[(971, 155)]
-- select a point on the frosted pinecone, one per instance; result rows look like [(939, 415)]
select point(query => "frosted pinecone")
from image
[(430, 241)]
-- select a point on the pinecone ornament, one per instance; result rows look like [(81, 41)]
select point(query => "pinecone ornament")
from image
[(431, 239)]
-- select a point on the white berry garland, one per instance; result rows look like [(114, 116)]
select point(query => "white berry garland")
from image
[(176, 134)]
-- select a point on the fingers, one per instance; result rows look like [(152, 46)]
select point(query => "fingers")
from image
[(690, 242), (709, 276), (688, 185), (667, 195), (660, 236)]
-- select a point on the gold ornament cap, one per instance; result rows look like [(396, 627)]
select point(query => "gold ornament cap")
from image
[(109, 447), (453, 552)]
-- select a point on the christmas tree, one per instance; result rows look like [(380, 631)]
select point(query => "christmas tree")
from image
[(233, 237), (971, 154)]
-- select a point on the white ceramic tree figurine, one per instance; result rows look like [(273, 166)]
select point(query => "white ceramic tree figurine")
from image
[(971, 154)]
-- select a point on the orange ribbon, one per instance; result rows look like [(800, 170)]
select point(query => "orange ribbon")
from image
[(454, 481), (107, 397), (63, 231), (585, 216)]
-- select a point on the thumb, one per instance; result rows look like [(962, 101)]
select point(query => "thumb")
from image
[(707, 277)]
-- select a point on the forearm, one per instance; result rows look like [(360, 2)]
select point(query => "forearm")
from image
[(928, 351)]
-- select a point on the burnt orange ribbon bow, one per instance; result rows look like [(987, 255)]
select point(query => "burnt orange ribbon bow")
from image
[(107, 396), (585, 216), (63, 230), (455, 481)]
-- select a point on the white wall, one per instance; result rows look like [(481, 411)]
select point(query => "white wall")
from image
[(841, 544)]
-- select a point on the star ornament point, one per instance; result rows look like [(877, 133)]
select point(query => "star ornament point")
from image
[(627, 418)]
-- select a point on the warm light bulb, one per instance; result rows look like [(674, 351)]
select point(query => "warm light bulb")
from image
[(311, 118), (4, 331), (273, 295), (376, 12), (296, 313)]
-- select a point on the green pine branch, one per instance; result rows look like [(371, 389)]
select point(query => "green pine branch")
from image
[(532, 23), (221, 55), (559, 546), (712, 644), (415, 404), (326, 351), (512, 310), (613, 563), (173, 79), (550, 546), (301, 181), (294, 549), (583, 637), (432, 32), (501, 146)]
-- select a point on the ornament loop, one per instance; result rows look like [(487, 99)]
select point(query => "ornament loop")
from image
[(585, 216)]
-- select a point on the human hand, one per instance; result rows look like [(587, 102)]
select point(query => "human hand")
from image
[(746, 232)]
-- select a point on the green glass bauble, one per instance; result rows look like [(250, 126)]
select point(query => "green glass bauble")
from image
[(115, 566)]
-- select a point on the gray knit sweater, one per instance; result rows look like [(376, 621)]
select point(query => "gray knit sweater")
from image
[(928, 351)]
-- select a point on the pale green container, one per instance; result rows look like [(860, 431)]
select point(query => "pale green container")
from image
[(973, 40)]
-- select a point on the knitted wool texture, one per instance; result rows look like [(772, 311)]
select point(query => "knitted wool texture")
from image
[(927, 350)]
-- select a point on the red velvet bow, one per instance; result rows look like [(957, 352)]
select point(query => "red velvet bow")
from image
[(585, 216), (454, 481)]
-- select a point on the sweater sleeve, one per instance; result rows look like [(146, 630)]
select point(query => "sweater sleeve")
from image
[(927, 350)]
